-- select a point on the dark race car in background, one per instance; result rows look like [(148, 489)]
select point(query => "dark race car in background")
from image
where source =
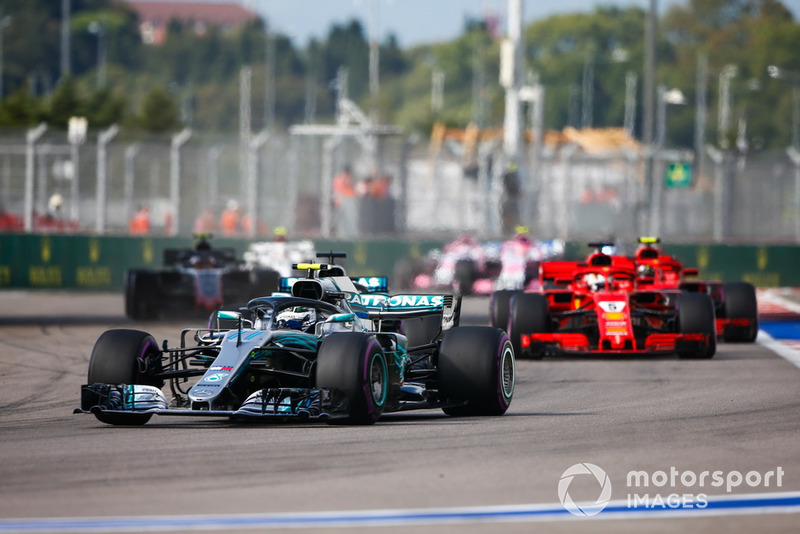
[(320, 352), (194, 282)]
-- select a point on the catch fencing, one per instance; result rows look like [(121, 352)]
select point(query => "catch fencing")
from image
[(282, 180)]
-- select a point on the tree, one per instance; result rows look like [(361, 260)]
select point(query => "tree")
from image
[(20, 109), (64, 103), (160, 112), (105, 108)]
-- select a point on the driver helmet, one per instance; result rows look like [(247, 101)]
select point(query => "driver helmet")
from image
[(522, 235), (645, 271), (595, 282), (296, 318)]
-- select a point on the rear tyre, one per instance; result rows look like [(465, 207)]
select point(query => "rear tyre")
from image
[(465, 275), (498, 308), (140, 295), (405, 271), (352, 366), (740, 303), (528, 314), (476, 366), (696, 316), (266, 282), (123, 357)]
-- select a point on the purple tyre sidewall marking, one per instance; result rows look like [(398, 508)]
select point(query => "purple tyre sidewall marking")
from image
[(142, 354)]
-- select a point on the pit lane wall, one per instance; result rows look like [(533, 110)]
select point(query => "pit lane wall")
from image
[(94, 263)]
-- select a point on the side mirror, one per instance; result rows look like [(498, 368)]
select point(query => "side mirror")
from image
[(229, 315), (341, 318), (229, 320), (339, 322)]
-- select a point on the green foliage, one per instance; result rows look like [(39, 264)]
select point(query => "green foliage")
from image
[(20, 109), (160, 112), (65, 103), (105, 108), (195, 76)]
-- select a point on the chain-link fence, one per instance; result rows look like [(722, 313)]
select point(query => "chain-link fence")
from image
[(282, 180)]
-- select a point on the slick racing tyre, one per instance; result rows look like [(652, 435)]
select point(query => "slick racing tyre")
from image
[(476, 367), (123, 357), (528, 314), (141, 295), (696, 316), (466, 272), (352, 366), (740, 303), (265, 282), (499, 306)]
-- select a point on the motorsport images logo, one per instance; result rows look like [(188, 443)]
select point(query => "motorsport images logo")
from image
[(590, 487), (581, 470)]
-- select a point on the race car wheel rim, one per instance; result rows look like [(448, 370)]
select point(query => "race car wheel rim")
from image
[(377, 380), (507, 371)]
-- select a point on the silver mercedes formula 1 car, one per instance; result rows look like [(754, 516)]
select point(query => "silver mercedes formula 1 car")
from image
[(324, 350)]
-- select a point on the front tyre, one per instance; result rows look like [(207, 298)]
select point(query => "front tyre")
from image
[(696, 316), (476, 367), (466, 272), (529, 313), (124, 357), (352, 366), (140, 295), (740, 303), (498, 308)]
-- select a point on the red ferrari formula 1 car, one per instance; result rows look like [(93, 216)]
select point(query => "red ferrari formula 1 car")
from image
[(596, 308), (735, 303)]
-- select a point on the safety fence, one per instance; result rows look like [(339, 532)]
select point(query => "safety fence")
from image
[(186, 182)]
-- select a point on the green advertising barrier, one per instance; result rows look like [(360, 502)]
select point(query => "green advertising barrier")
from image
[(92, 263)]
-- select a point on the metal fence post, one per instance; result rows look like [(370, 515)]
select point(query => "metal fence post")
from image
[(794, 155), (213, 177), (103, 140), (76, 135), (178, 140), (32, 136), (326, 211), (718, 157), (130, 154), (251, 210)]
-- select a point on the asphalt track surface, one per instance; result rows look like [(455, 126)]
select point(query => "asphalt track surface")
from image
[(418, 471)]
